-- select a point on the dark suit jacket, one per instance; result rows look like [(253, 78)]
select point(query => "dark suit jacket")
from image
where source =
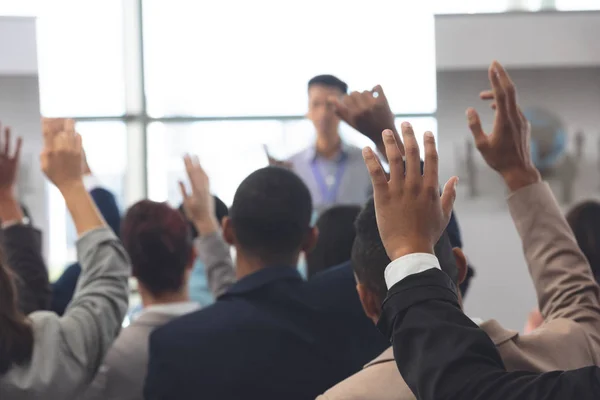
[(64, 287), (22, 246), (271, 336), (446, 356)]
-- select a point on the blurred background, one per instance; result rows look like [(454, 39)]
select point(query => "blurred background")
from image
[(149, 80)]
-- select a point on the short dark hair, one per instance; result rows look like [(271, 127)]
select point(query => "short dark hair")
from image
[(584, 220), (329, 81), (271, 215), (221, 211), (369, 258), (159, 244), (336, 236)]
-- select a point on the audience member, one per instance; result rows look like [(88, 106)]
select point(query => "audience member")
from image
[(21, 242), (571, 337), (584, 220), (50, 357), (439, 351), (159, 243), (332, 170), (268, 337), (200, 291), (336, 235), (64, 287)]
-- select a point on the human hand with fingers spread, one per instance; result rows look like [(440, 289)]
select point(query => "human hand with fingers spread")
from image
[(9, 163), (369, 113), (507, 148), (411, 216), (199, 206)]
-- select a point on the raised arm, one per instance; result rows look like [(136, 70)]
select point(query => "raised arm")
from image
[(21, 242), (96, 312), (444, 355), (199, 207), (561, 274)]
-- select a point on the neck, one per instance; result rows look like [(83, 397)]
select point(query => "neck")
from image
[(149, 299), (328, 146), (247, 264)]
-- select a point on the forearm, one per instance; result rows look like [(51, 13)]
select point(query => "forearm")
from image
[(442, 354), (95, 314), (10, 209), (214, 254), (560, 272), (86, 216)]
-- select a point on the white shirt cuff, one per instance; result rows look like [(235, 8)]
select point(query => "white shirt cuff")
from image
[(408, 265), (90, 182)]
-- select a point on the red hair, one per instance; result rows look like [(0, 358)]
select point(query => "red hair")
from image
[(159, 244)]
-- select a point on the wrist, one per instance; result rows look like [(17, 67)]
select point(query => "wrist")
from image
[(206, 225), (7, 194), (71, 188), (411, 248), (516, 179)]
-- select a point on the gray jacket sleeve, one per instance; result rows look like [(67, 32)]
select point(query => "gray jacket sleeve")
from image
[(94, 316), (69, 349), (214, 254)]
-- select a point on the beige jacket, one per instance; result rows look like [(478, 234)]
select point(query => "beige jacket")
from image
[(568, 297)]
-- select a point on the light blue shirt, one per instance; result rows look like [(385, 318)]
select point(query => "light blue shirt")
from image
[(354, 187)]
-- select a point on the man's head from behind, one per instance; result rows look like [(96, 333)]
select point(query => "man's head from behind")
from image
[(321, 110), (269, 221), (369, 260), (159, 243)]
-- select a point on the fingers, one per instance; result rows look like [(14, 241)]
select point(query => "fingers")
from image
[(378, 178), (340, 107), (476, 129), (7, 141), (508, 88), (413, 158), (183, 191), (187, 161), (486, 95), (17, 154), (498, 90), (448, 197), (394, 155), (431, 165)]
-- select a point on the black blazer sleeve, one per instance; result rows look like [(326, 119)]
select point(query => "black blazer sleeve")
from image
[(442, 354), (22, 245)]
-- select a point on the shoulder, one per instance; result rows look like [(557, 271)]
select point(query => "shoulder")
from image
[(301, 157), (378, 380)]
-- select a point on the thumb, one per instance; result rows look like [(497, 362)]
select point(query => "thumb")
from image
[(448, 197), (475, 127), (340, 108)]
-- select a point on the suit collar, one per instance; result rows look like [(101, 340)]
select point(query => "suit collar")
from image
[(262, 278), (497, 333), (386, 356), (161, 314)]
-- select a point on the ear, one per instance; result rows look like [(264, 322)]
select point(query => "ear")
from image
[(228, 233), (370, 303), (311, 240), (461, 264)]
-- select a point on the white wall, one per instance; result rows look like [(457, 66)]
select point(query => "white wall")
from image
[(20, 109), (18, 54), (542, 39), (502, 288)]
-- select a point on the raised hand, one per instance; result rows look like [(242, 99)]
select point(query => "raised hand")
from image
[(199, 206), (411, 216), (9, 163), (507, 148), (369, 113), (62, 156)]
